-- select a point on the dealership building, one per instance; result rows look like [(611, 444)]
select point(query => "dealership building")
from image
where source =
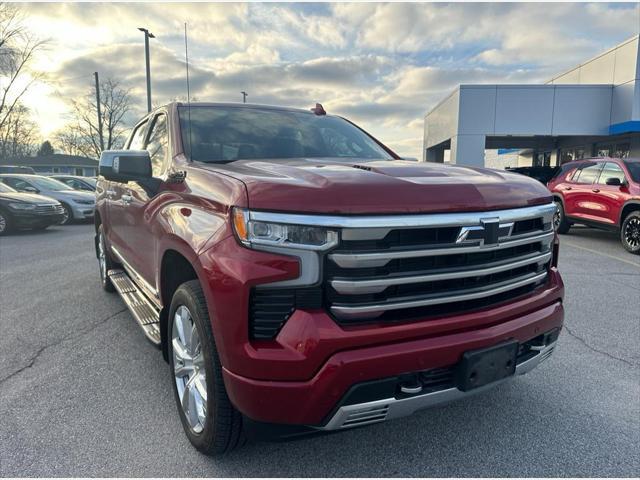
[(590, 110)]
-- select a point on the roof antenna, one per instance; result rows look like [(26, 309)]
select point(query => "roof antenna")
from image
[(186, 61)]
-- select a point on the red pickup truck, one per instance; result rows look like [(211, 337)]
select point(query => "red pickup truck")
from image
[(300, 277)]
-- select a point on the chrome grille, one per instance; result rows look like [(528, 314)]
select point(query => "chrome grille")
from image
[(48, 209), (437, 264)]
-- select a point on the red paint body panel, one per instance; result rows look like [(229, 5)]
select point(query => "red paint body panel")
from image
[(595, 202)]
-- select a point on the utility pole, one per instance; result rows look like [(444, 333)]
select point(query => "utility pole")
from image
[(244, 96), (147, 36), (99, 112)]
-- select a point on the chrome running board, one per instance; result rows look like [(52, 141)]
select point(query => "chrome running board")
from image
[(145, 313), (386, 409)]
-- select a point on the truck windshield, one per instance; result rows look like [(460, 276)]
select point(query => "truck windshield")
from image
[(634, 169), (223, 134)]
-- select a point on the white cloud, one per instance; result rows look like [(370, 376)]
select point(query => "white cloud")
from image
[(383, 65)]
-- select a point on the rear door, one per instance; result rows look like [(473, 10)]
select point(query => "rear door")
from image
[(608, 199), (117, 206), (579, 194)]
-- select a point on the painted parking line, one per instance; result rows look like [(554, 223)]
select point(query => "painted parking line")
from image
[(614, 257)]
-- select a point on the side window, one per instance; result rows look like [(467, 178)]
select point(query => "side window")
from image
[(137, 139), (588, 174), (158, 144), (611, 170), (16, 183)]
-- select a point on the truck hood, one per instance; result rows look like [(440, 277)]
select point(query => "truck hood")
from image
[(340, 186)]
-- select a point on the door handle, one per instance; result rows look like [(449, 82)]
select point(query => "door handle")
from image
[(567, 188), (110, 193), (126, 199), (595, 190)]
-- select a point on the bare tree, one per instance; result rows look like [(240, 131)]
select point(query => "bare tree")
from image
[(82, 136), (18, 133), (17, 50)]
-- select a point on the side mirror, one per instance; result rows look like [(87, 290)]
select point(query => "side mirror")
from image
[(125, 165), (31, 190), (614, 181)]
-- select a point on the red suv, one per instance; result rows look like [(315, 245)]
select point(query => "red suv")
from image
[(601, 193)]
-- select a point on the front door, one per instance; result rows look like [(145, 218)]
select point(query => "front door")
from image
[(140, 207), (608, 199), (118, 207)]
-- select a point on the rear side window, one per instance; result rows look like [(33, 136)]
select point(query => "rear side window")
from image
[(587, 174), (611, 170)]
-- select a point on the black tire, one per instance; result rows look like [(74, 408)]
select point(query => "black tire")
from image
[(560, 222), (5, 223), (108, 264), (630, 233), (68, 215), (222, 430)]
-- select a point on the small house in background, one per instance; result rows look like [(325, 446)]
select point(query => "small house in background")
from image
[(57, 163)]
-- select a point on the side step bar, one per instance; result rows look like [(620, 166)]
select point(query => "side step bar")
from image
[(145, 313)]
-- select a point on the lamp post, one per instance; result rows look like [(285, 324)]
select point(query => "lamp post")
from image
[(147, 36), (244, 97)]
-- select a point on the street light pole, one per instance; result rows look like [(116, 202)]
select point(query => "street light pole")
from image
[(147, 36), (95, 74), (244, 96)]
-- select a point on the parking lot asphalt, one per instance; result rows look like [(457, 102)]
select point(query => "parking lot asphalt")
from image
[(82, 393)]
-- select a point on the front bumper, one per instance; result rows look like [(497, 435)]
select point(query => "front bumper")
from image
[(24, 221), (366, 413), (312, 402), (82, 212)]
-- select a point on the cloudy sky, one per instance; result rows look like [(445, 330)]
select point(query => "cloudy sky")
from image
[(382, 65)]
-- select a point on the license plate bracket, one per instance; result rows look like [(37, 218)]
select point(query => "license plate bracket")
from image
[(482, 367)]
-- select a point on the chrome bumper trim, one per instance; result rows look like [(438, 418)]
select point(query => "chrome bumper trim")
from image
[(380, 410)]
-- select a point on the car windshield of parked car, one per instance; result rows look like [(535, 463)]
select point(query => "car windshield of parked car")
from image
[(44, 183), (6, 188), (634, 169), (224, 134)]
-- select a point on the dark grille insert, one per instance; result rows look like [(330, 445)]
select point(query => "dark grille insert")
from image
[(268, 310)]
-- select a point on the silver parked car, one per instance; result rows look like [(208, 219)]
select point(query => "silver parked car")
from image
[(87, 184), (77, 205)]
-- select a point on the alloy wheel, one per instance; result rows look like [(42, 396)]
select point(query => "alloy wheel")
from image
[(66, 215), (557, 217), (632, 233), (189, 369), (3, 223)]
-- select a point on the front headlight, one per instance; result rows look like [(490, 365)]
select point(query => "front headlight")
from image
[(253, 232), (22, 206)]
